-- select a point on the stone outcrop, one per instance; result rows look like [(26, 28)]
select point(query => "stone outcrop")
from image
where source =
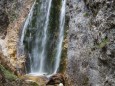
[(4, 20), (40, 80), (12, 15), (7, 78), (56, 80), (91, 52)]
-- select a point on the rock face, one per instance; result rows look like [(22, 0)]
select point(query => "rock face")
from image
[(12, 15), (91, 52), (4, 20), (56, 80), (7, 78)]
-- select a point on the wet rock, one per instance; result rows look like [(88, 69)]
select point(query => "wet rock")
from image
[(40, 80), (56, 80)]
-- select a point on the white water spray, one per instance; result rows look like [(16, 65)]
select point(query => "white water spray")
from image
[(45, 39), (36, 38), (29, 17), (61, 36)]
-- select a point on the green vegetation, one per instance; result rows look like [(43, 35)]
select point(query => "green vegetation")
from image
[(85, 14), (103, 43), (34, 84), (7, 74)]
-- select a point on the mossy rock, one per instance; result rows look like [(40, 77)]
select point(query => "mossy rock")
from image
[(7, 74), (34, 84), (86, 14), (103, 43)]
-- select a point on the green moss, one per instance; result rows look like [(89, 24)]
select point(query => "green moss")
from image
[(34, 84), (103, 43), (7, 74), (85, 14)]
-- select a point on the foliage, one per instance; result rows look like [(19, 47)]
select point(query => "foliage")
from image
[(7, 74), (103, 43), (85, 14), (34, 84)]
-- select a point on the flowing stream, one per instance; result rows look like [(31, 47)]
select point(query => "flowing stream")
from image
[(36, 36)]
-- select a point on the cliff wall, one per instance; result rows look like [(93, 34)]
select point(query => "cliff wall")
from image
[(91, 48), (12, 16)]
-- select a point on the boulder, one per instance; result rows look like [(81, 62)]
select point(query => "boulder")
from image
[(56, 79)]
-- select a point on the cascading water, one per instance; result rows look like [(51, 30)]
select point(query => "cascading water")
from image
[(41, 70), (61, 35), (35, 38), (21, 46)]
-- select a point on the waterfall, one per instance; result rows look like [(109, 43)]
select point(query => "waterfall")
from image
[(26, 23), (61, 36), (36, 36), (45, 39)]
